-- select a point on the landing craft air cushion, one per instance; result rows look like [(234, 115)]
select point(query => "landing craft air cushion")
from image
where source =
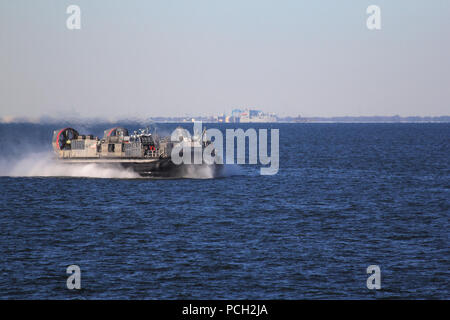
[(145, 153)]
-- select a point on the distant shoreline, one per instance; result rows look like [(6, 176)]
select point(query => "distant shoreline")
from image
[(299, 120)]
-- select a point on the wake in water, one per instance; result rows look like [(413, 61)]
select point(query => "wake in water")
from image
[(44, 165)]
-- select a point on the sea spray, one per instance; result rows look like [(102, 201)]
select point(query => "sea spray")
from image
[(42, 164), (205, 171)]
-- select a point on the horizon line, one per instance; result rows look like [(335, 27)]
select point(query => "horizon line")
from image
[(45, 119)]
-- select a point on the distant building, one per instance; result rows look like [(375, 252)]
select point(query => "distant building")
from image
[(246, 116), (250, 116)]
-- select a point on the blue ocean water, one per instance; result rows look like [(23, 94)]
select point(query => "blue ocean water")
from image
[(346, 196)]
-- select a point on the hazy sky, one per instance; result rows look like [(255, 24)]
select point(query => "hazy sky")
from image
[(176, 58)]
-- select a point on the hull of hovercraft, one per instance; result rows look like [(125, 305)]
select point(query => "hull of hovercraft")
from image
[(148, 167)]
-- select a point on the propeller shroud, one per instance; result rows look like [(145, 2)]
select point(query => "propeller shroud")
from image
[(63, 137)]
